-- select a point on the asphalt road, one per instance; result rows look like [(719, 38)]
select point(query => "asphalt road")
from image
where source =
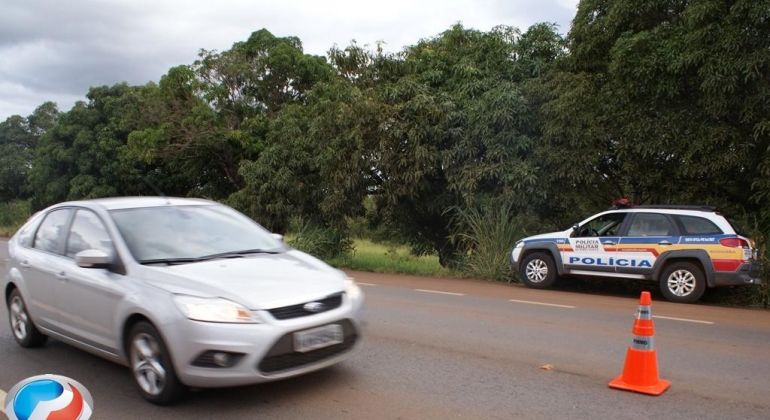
[(473, 354)]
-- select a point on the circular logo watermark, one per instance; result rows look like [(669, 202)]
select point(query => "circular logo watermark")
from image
[(49, 397)]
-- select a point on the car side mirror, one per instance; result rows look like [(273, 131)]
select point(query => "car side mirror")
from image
[(277, 236), (576, 229), (93, 258)]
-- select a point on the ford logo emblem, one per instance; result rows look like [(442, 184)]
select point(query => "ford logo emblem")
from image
[(314, 307)]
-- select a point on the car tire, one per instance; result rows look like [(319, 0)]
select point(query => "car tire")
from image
[(682, 282), (151, 366), (22, 327), (538, 270)]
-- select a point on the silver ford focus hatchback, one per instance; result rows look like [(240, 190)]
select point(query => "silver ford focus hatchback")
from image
[(185, 292)]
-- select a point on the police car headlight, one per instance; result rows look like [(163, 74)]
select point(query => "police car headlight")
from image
[(519, 244)]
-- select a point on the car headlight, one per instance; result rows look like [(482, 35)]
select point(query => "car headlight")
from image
[(519, 244), (352, 289), (214, 310)]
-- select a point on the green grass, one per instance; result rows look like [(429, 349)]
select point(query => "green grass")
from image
[(380, 258), (8, 231)]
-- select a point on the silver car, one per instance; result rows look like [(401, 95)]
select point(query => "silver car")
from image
[(185, 292)]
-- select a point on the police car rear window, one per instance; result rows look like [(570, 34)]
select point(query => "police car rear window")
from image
[(738, 228), (699, 226)]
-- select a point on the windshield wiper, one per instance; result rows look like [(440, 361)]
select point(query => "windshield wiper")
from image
[(170, 261), (238, 254), (229, 254)]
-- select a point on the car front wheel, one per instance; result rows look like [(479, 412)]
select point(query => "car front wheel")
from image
[(683, 282), (151, 366), (538, 270), (24, 330)]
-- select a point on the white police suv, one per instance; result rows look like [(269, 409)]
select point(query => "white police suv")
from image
[(686, 249)]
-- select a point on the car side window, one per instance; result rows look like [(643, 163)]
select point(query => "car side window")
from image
[(27, 233), (650, 224), (52, 230), (88, 232), (604, 225), (699, 226)]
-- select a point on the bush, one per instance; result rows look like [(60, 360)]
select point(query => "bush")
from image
[(319, 241), (12, 215), (485, 234), (757, 228)]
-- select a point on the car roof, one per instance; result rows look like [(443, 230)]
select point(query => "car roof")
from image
[(664, 210), (118, 203)]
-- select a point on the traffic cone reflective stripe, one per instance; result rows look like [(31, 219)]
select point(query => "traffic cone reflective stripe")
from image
[(640, 372)]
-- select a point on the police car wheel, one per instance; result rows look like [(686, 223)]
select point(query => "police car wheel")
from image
[(538, 271), (682, 282)]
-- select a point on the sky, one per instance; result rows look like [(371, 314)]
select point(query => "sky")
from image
[(54, 50)]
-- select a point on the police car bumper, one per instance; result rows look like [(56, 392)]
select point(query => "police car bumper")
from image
[(513, 259), (747, 274)]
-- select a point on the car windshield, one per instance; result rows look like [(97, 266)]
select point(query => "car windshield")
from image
[(191, 233)]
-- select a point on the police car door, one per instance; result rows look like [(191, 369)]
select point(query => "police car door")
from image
[(592, 248), (648, 235)]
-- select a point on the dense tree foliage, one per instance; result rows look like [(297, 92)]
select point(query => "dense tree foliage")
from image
[(659, 101), (19, 137), (663, 101)]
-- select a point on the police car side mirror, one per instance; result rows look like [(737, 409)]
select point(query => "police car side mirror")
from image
[(576, 227)]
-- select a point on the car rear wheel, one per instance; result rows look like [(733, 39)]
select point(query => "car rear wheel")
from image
[(151, 366), (24, 330), (683, 282), (538, 270)]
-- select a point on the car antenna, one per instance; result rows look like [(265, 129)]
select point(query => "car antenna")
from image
[(157, 190)]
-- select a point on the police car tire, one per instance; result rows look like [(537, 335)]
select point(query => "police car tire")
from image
[(550, 266), (34, 337), (697, 273)]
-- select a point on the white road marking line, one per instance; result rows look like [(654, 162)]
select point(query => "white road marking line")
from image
[(365, 284), (544, 304), (682, 319), (443, 293), (2, 401)]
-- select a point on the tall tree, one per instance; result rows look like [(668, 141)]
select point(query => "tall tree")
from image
[(459, 127), (215, 113), (19, 137), (662, 101), (84, 154)]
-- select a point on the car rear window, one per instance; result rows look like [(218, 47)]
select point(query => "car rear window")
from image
[(699, 226), (739, 229)]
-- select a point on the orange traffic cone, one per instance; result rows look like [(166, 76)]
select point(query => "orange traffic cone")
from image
[(640, 373)]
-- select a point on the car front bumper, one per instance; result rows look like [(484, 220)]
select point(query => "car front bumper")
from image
[(514, 260), (262, 352)]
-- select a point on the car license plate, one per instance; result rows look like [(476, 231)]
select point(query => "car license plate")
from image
[(308, 340)]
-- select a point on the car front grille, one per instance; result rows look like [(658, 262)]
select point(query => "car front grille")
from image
[(297, 311), (282, 356)]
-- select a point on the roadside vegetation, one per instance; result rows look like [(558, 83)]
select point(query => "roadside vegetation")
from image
[(433, 160), (12, 215)]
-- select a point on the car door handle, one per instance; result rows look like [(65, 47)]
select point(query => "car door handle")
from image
[(609, 243), (664, 243), (24, 265), (61, 276)]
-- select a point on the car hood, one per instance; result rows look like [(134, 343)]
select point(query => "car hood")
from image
[(550, 235), (259, 281)]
